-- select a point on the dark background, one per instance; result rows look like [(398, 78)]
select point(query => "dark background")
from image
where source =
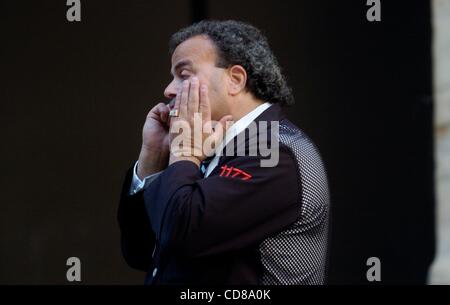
[(74, 97)]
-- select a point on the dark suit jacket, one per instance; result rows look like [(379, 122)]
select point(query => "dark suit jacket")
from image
[(243, 224)]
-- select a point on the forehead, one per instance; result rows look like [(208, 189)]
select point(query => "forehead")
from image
[(197, 49)]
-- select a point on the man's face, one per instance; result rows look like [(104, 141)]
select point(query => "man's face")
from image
[(197, 57)]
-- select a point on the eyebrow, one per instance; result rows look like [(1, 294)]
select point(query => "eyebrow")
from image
[(181, 64)]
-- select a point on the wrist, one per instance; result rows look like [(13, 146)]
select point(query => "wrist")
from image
[(174, 159), (151, 162)]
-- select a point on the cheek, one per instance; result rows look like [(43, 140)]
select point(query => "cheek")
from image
[(217, 95), (217, 89), (218, 105)]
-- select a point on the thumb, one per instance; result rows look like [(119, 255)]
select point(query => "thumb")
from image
[(222, 126), (226, 122)]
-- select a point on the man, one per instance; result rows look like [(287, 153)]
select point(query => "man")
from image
[(225, 214)]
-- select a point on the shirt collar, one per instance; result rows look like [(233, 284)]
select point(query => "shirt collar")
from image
[(241, 124)]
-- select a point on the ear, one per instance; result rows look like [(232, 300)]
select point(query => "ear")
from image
[(237, 79)]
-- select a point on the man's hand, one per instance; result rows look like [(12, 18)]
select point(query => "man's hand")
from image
[(200, 136), (154, 155)]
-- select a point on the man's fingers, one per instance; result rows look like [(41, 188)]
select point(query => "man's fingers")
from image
[(159, 112), (176, 105), (226, 122), (165, 115), (204, 107), (220, 129), (183, 112), (194, 96)]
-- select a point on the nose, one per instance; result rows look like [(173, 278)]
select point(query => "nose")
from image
[(171, 91)]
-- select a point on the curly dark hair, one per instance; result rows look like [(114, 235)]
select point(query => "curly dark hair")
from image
[(240, 43)]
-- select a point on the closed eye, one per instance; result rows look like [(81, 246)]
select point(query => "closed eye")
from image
[(184, 74)]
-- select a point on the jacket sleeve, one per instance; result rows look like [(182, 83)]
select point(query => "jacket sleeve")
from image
[(228, 210), (137, 237)]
